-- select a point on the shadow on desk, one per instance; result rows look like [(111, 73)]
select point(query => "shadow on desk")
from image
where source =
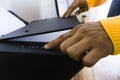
[(107, 68)]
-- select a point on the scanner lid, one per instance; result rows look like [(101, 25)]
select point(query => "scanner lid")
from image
[(42, 27)]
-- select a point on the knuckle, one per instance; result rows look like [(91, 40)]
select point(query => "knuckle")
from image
[(83, 30), (63, 48), (71, 53)]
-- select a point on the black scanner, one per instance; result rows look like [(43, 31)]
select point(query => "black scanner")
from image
[(24, 59), (27, 61)]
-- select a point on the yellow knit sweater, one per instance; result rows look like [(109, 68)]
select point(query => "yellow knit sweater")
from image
[(111, 26)]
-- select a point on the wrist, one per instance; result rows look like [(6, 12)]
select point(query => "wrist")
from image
[(112, 28)]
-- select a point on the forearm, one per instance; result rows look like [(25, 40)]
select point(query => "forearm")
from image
[(112, 27), (94, 3)]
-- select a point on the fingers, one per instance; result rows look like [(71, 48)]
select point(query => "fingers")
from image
[(68, 12), (69, 42), (57, 41), (77, 50), (72, 7), (60, 39)]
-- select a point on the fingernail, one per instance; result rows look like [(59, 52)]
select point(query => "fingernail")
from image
[(46, 46)]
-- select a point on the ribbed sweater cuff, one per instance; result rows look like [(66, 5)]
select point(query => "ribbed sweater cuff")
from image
[(90, 3), (112, 27), (94, 3)]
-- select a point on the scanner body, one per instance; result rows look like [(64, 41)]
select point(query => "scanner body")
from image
[(22, 58)]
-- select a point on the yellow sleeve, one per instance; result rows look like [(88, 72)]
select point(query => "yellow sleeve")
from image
[(112, 27), (94, 3)]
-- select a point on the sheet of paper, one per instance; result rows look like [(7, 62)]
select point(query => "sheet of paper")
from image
[(8, 22)]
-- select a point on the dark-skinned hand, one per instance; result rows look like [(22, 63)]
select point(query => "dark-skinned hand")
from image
[(88, 42), (80, 4)]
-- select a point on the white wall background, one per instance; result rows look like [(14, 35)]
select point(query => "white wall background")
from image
[(31, 10)]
